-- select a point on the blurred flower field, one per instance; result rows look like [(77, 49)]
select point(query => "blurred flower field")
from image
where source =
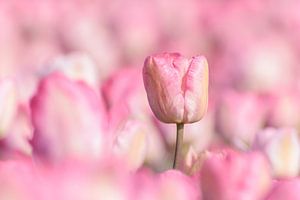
[(89, 91)]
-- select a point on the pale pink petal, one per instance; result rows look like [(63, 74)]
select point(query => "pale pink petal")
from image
[(236, 176), (282, 148), (131, 144), (8, 104), (69, 120), (177, 186)]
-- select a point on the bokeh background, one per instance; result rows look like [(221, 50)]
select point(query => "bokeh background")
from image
[(253, 51)]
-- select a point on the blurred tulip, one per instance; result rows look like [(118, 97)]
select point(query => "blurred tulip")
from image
[(282, 148), (175, 185), (239, 116), (19, 135), (177, 87), (8, 105), (284, 109), (126, 100), (203, 129), (275, 55), (131, 144), (76, 66), (87, 31), (136, 28), (285, 190), (230, 175), (193, 162), (19, 181), (145, 185), (108, 180), (125, 84), (69, 120)]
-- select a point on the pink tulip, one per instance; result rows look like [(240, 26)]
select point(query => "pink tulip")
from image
[(76, 66), (282, 148), (8, 105), (284, 108), (230, 175), (69, 120), (19, 181), (108, 180), (177, 87), (127, 100), (192, 162), (131, 144), (285, 190), (176, 185), (145, 185), (17, 139), (126, 85), (239, 117)]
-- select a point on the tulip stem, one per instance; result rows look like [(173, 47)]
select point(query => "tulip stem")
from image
[(179, 143)]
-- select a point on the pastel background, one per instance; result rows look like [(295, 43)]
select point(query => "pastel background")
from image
[(75, 119)]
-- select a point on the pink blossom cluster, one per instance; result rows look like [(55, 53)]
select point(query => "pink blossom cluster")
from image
[(75, 119)]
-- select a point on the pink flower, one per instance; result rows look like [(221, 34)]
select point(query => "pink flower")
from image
[(8, 105), (285, 108), (69, 120), (177, 186), (17, 139), (19, 180), (282, 148), (230, 175), (130, 143), (108, 179), (126, 99), (76, 66), (177, 87), (285, 190), (239, 117)]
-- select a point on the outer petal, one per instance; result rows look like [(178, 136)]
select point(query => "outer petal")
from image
[(163, 85), (8, 105), (195, 84), (68, 119)]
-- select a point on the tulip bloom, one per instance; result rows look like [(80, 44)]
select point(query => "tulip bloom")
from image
[(177, 87), (131, 144), (8, 105), (285, 190), (177, 90), (69, 120), (228, 174), (282, 148), (176, 185)]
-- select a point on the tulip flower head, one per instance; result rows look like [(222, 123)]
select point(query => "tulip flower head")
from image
[(177, 90), (177, 87)]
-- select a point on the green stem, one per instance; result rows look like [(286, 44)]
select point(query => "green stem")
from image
[(179, 143)]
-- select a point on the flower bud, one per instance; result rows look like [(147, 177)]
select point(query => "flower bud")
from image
[(177, 87)]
